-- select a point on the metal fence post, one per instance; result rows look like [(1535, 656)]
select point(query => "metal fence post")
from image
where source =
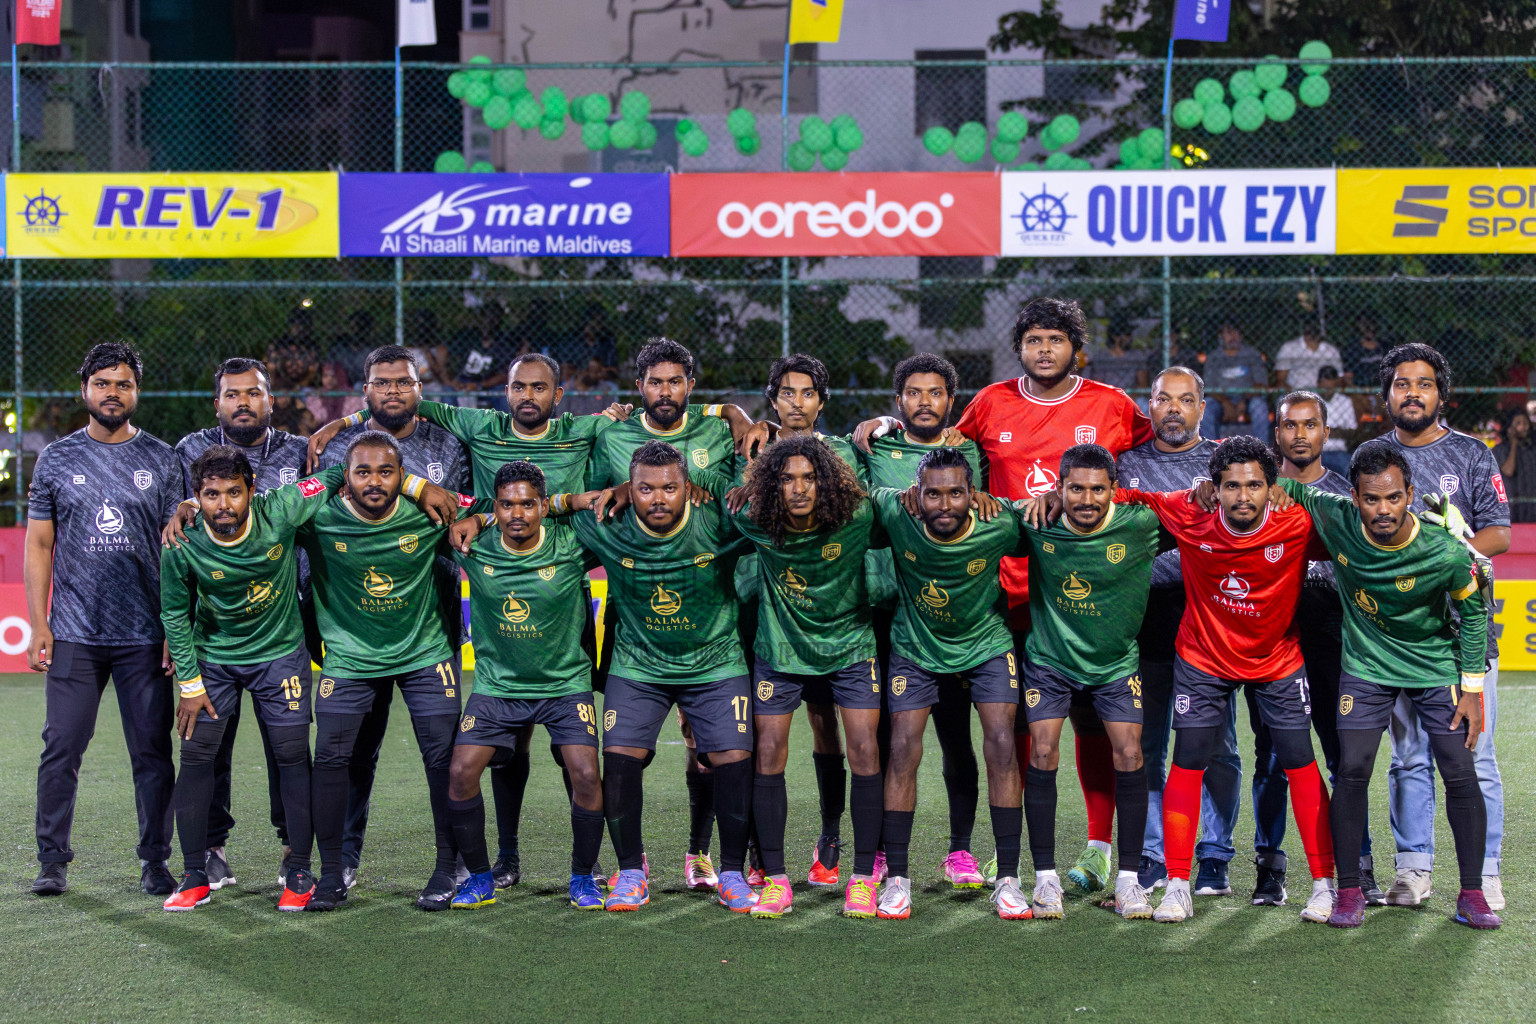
[(16, 367), (399, 166), (784, 166), (1167, 262)]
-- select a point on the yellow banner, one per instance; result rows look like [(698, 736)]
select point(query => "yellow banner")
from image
[(1437, 209), (815, 21), (599, 594), (1515, 618), (157, 216)]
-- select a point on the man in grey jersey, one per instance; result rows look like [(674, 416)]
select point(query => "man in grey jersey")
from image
[(98, 500)]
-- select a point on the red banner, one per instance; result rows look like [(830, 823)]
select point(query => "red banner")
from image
[(15, 630), (37, 21), (835, 214)]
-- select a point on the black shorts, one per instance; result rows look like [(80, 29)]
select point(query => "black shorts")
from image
[(1200, 699), (570, 720), (1367, 705), (852, 686), (1048, 694), (633, 712), (427, 691), (912, 687), (279, 688)]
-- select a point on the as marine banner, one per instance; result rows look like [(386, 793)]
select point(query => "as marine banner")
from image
[(158, 216)]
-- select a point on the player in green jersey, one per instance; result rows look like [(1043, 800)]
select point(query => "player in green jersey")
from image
[(950, 633), (372, 562), (1394, 576), (815, 642), (526, 596), (1089, 576)]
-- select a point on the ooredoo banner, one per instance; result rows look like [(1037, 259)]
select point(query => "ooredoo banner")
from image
[(896, 214), (504, 214), (1168, 213)]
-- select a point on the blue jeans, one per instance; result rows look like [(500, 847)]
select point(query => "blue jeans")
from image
[(1411, 784), (1222, 794)]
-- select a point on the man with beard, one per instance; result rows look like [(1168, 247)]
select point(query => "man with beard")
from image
[(1400, 644), (242, 401), (1416, 383), (97, 502), (1175, 459)]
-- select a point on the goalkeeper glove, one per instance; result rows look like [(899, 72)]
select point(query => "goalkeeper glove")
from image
[(1445, 515)]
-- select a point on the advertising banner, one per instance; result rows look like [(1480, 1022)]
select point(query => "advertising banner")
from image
[(176, 216), (15, 628), (1168, 213), (1514, 616), (504, 214), (1438, 209), (896, 214)]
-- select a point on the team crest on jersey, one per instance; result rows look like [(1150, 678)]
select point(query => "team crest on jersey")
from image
[(408, 543), (1181, 704), (1234, 587), (1366, 602), (327, 687), (1449, 484), (609, 718), (311, 487), (933, 595), (765, 691), (287, 476), (898, 685), (1273, 552), (435, 472), (514, 610), (377, 584), (1032, 697), (975, 566), (1115, 553), (275, 552), (548, 572), (1086, 434), (1405, 583), (831, 551), (143, 479), (700, 457), (1076, 588), (1346, 704), (702, 560), (467, 724), (665, 602)]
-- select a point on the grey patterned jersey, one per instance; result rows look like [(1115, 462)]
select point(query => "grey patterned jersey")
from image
[(429, 452), (1463, 467), (1320, 574), (1144, 468), (108, 503), (276, 461)]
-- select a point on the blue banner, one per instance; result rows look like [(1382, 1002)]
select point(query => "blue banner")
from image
[(505, 215), (1201, 19)]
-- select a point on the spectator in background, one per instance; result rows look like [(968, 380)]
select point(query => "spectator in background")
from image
[(1116, 363), (1362, 360), (424, 341), (1516, 456), (289, 412), (1300, 358), (594, 341), (1342, 422), (483, 354), (325, 405), (351, 350), (1234, 367)]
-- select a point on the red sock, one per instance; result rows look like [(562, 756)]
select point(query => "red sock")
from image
[(1021, 753), (1181, 819), (1309, 804), (1096, 774)]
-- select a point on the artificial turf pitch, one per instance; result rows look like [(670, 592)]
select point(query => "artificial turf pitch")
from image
[(106, 952)]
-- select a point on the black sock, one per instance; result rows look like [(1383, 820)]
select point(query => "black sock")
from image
[(962, 781), (1464, 804), (587, 838), (1130, 816), (290, 744), (733, 800), (832, 785), (468, 821), (435, 737), (701, 810), (194, 790), (509, 783), (1040, 810), (896, 835), (867, 808), (329, 786), (770, 811), (1007, 827), (623, 800)]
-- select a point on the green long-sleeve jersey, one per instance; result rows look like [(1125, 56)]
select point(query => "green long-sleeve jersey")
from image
[(236, 601), (1398, 629), (563, 450), (1088, 593)]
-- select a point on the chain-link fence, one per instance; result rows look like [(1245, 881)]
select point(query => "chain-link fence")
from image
[(859, 315)]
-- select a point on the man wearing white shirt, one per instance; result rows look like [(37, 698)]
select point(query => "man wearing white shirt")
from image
[(1300, 358), (1339, 410)]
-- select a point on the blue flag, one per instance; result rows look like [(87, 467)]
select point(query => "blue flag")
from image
[(1201, 19)]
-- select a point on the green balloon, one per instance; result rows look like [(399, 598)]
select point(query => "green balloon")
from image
[(458, 83), (479, 58), (695, 143), (834, 159), (1270, 74), (683, 128), (1012, 127), (1187, 113), (1028, 166), (970, 148), (847, 137), (497, 113), (748, 145), (623, 135), (1208, 91), (1248, 114), (1314, 90), (449, 163), (1150, 145), (1048, 140), (597, 107), (938, 140), (508, 81), (1242, 85), (1082, 164), (552, 127), (647, 136), (1217, 119), (635, 106), (480, 74), (482, 167), (1058, 161), (816, 134), (1005, 151), (594, 135), (526, 112), (553, 99), (1066, 128), (740, 121), (840, 122), (972, 128), (1315, 50), (578, 109), (1279, 104), (478, 94), (1130, 149), (800, 158)]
